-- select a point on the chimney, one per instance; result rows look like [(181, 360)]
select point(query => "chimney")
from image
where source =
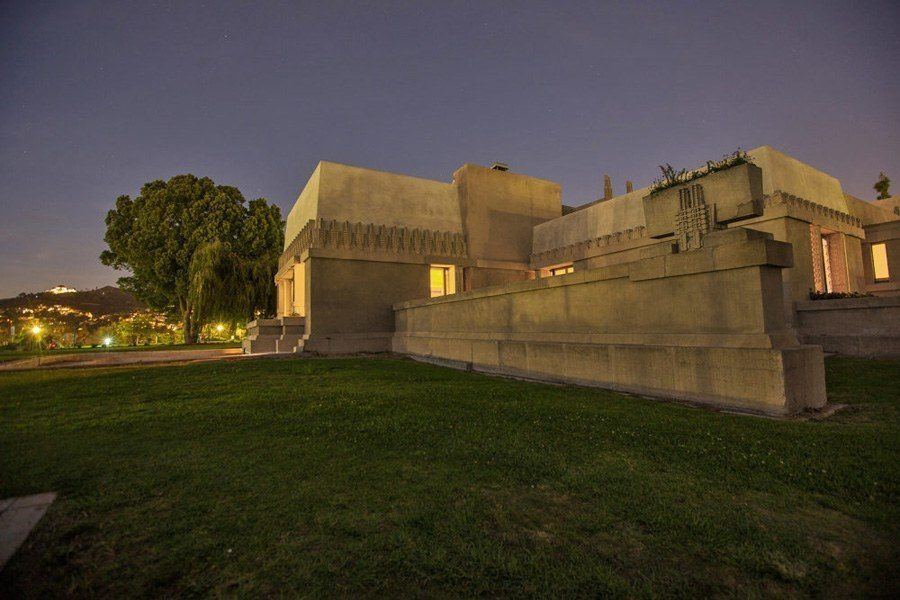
[(607, 187), (629, 187), (499, 166)]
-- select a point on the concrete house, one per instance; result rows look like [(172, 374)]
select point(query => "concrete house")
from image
[(700, 291)]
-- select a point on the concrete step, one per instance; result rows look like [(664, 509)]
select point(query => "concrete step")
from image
[(257, 344), (286, 343), (281, 335)]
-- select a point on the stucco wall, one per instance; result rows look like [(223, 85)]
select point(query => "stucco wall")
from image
[(866, 327), (304, 206), (868, 212), (347, 193), (601, 218), (501, 209), (785, 173), (707, 325), (350, 302), (779, 172)]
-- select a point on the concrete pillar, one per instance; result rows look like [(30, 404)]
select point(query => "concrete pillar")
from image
[(279, 297), (298, 298)]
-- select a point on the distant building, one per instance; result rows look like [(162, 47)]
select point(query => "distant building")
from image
[(61, 289)]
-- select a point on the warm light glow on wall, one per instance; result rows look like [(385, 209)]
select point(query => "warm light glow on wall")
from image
[(826, 257), (880, 262), (563, 270), (442, 280)]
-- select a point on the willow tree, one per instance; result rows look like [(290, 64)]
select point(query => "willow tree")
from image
[(226, 286), (196, 250)]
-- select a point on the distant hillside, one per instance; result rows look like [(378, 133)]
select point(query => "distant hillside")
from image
[(108, 300)]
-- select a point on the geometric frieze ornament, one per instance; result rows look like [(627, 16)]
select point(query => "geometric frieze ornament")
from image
[(582, 249), (692, 221), (374, 238)]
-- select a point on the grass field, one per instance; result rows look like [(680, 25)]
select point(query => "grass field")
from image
[(384, 477), (10, 355)]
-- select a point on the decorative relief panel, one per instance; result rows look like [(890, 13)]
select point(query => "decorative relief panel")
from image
[(371, 237), (692, 221), (818, 263)]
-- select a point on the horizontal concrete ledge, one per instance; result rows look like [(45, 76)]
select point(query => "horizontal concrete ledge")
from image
[(348, 343), (863, 346), (696, 398), (785, 339), (725, 250), (766, 380), (601, 274), (379, 255), (263, 323), (849, 303)]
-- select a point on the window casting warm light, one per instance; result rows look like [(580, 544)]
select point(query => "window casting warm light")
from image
[(880, 262), (563, 270), (442, 280)]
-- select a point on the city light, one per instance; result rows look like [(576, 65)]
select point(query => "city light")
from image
[(36, 330), (107, 342), (220, 328)]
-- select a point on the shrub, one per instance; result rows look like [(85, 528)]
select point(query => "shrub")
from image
[(671, 177), (814, 295)]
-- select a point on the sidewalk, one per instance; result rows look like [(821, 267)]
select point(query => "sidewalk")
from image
[(105, 359)]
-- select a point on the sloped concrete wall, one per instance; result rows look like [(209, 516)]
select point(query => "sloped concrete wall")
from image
[(707, 326)]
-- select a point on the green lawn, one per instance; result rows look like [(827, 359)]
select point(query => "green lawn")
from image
[(383, 477), (9, 355)]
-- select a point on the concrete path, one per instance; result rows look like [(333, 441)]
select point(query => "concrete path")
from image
[(105, 359), (18, 516)]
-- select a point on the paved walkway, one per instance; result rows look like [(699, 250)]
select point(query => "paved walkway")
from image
[(18, 516), (105, 359)]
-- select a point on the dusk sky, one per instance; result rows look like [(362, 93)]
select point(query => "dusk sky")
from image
[(99, 97)]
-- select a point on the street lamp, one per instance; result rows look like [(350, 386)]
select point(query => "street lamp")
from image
[(36, 332), (107, 341)]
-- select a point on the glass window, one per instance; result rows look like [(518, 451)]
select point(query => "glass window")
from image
[(562, 270), (442, 280), (880, 263)]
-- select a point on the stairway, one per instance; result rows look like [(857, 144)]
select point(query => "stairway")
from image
[(281, 335)]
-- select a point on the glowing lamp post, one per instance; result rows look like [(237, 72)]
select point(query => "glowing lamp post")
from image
[(36, 332)]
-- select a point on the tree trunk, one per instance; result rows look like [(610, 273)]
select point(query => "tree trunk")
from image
[(190, 335)]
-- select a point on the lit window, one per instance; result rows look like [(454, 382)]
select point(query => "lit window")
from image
[(880, 263), (826, 257), (443, 280), (562, 270)]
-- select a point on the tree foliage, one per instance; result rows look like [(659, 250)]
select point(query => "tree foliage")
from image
[(196, 250), (883, 186)]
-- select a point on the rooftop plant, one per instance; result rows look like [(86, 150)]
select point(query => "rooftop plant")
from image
[(672, 177)]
